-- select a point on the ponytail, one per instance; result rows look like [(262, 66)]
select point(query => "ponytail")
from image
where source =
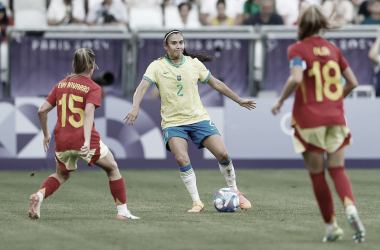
[(84, 60), (201, 56)]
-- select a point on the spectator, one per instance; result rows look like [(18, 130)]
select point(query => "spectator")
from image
[(184, 9), (250, 8), (357, 3), (4, 22), (340, 12), (288, 10), (65, 12), (143, 3), (234, 9), (112, 12), (363, 12), (222, 19), (374, 56), (374, 10), (266, 15)]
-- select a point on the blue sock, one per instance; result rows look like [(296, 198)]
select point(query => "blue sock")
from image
[(226, 162), (186, 170)]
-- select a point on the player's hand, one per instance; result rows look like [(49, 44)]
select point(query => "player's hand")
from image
[(276, 107), (248, 104), (85, 149), (46, 142), (132, 116)]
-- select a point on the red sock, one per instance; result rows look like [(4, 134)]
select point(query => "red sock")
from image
[(50, 185), (323, 194), (118, 191), (342, 185)]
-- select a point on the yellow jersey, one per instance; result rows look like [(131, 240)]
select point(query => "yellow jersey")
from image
[(178, 86)]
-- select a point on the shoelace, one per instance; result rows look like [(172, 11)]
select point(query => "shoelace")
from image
[(241, 197)]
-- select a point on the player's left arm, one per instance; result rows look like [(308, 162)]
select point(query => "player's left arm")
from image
[(223, 89), (351, 81), (294, 80), (43, 111)]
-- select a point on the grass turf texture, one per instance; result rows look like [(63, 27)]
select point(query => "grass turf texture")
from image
[(81, 214)]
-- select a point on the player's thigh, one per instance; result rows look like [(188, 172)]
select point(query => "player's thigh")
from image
[(179, 147), (314, 161), (335, 159), (215, 144)]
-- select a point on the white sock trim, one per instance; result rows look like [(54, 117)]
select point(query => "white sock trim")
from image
[(122, 209), (229, 174), (41, 195)]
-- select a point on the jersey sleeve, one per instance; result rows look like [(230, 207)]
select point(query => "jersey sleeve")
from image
[(94, 97), (204, 73), (343, 64), (294, 51), (52, 97), (150, 73)]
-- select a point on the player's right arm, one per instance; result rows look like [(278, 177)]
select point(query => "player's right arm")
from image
[(294, 80), (137, 98), (373, 53), (43, 111), (87, 126)]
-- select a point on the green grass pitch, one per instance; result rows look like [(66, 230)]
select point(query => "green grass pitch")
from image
[(81, 214)]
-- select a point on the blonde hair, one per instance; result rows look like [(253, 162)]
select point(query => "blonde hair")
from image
[(311, 21), (84, 60)]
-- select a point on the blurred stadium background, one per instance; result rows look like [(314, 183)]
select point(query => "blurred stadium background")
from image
[(249, 43), (40, 37)]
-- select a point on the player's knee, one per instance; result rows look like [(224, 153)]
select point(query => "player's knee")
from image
[(223, 156), (182, 159), (114, 165), (65, 175)]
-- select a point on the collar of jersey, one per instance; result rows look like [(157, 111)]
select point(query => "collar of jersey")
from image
[(172, 64)]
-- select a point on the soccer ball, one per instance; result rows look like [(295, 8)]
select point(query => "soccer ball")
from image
[(226, 200)]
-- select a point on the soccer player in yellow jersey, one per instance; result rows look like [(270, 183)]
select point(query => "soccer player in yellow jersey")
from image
[(176, 76)]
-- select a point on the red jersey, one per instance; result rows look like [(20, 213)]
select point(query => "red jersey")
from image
[(319, 99), (71, 96)]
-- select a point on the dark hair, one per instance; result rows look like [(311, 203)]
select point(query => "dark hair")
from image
[(221, 1), (5, 19), (182, 4), (83, 61), (201, 56)]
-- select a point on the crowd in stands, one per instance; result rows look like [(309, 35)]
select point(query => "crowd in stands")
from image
[(192, 13), (179, 14)]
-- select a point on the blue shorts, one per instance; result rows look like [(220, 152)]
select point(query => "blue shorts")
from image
[(196, 131)]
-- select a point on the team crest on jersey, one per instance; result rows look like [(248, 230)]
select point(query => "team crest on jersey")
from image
[(179, 78)]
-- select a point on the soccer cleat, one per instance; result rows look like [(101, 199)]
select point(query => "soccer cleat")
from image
[(197, 207), (244, 203), (336, 234), (34, 208), (127, 216), (356, 226)]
